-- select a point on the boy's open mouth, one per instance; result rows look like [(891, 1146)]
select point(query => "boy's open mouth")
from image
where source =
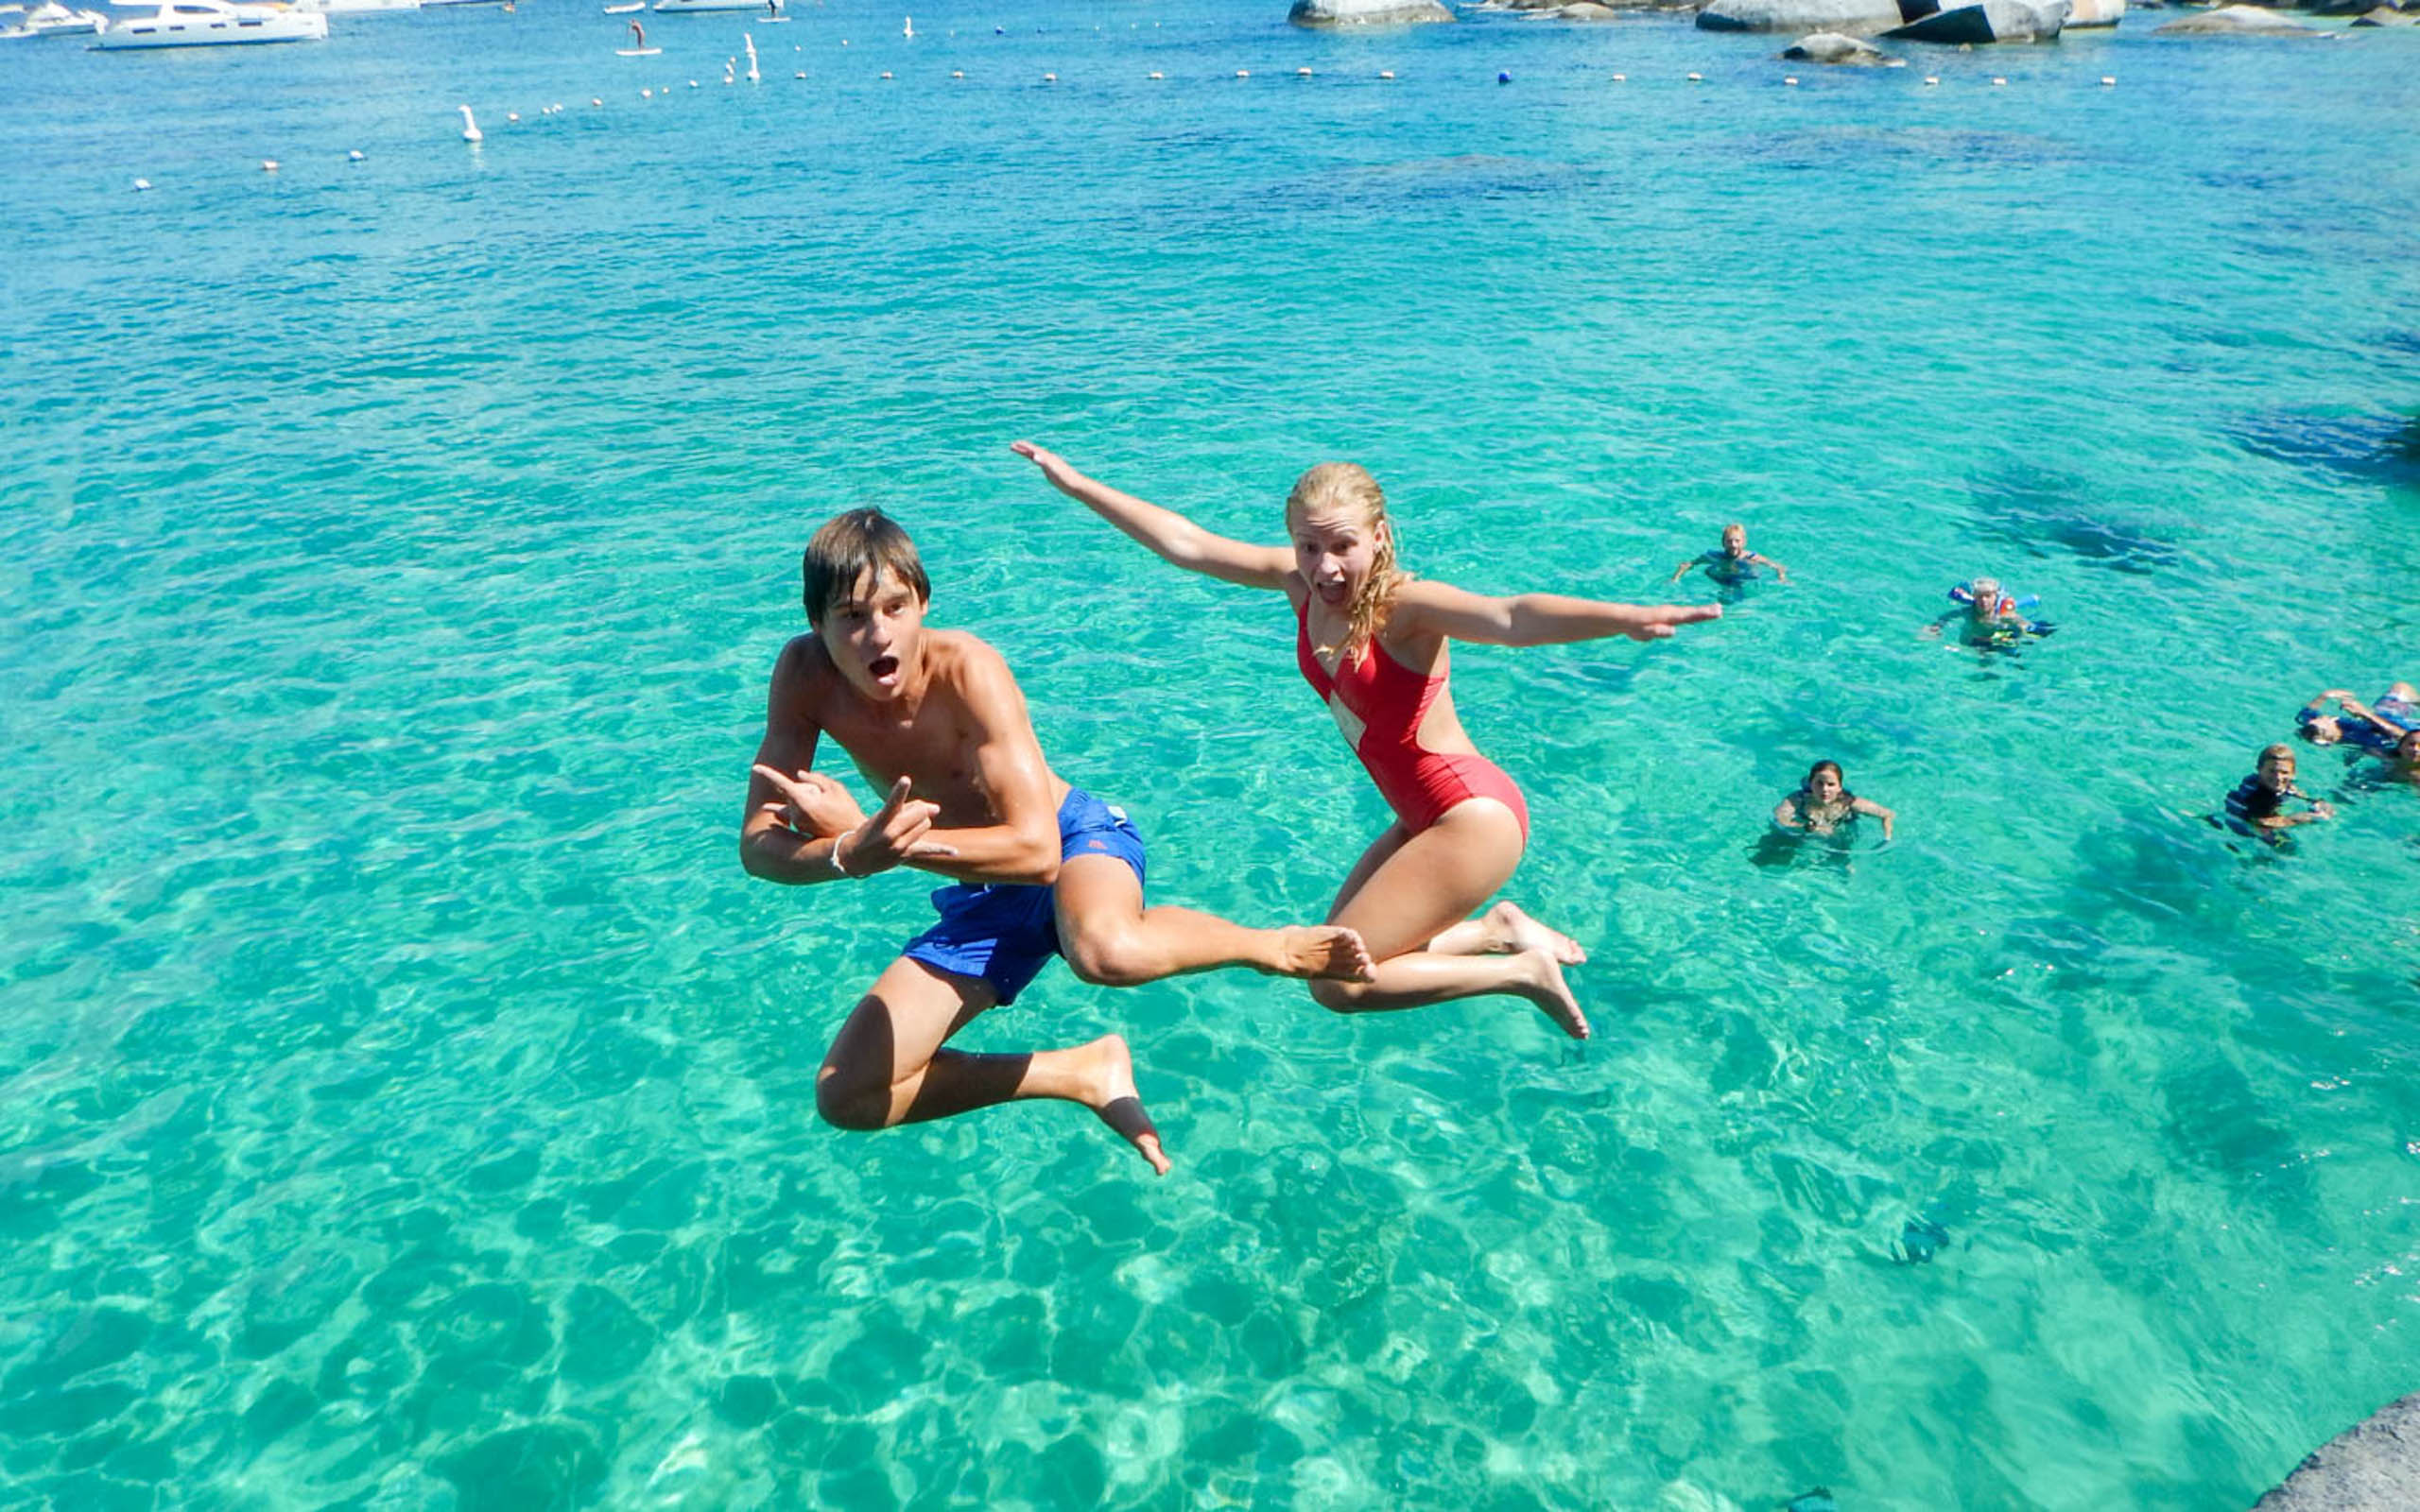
[(883, 667)]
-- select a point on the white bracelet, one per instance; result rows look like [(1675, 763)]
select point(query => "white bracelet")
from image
[(836, 855)]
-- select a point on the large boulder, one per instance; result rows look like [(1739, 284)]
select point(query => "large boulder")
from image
[(1850, 18), (2235, 21), (2386, 17), (1987, 21), (1366, 12), (2081, 14), (2372, 1466), (1832, 47)]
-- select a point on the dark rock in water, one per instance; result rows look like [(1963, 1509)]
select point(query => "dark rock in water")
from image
[(1818, 1500), (2044, 512), (2374, 448), (2386, 17), (1985, 21), (2235, 21), (546, 1465), (2372, 1466), (1366, 12), (1853, 18), (1833, 47)]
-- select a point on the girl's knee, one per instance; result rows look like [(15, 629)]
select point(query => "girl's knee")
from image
[(1106, 958), (852, 1102)]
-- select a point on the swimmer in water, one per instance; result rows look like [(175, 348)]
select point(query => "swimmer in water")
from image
[(1732, 563), (2257, 805), (1372, 642), (1987, 617), (934, 719), (2355, 725), (1823, 804)]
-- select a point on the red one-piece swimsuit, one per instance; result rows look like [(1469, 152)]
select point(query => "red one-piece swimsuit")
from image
[(1387, 700)]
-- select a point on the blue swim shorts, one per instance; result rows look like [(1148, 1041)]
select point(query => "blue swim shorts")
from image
[(1004, 933)]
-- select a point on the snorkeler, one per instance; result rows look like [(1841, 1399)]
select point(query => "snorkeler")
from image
[(1823, 804), (1987, 617), (1372, 640), (1043, 869), (1730, 563), (2257, 805), (2369, 727)]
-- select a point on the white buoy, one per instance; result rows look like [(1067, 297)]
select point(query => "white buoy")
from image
[(886, 73), (141, 184), (800, 74), (1386, 72), (1791, 80), (1697, 78), (2108, 81), (1243, 72), (470, 128), (513, 117), (1157, 75), (354, 156), (1051, 78), (1302, 72), (593, 100), (957, 73), (1931, 79), (268, 165), (1621, 79), (1998, 81), (646, 94)]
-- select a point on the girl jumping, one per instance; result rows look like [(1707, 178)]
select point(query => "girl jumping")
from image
[(1370, 640)]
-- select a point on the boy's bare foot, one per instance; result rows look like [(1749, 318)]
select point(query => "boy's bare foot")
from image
[(1323, 951), (1112, 1097), (1508, 922), (1542, 985)]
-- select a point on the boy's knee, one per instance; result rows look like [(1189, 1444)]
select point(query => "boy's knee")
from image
[(845, 1101), (1338, 997), (1106, 959)]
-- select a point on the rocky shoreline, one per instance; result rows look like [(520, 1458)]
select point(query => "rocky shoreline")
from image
[(1959, 23)]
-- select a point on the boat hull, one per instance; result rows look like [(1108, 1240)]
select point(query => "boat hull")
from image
[(215, 31)]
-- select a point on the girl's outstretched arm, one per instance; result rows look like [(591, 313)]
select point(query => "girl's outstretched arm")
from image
[(1422, 606), (1867, 806), (1171, 536)]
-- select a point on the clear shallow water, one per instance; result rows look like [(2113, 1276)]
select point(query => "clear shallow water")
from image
[(407, 1097)]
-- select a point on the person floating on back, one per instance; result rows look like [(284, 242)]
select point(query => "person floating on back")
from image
[(2375, 727), (1043, 869), (1823, 804), (1730, 563), (2257, 805), (1372, 640)]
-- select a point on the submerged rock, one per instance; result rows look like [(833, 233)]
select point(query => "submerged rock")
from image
[(2235, 21), (1833, 47), (2373, 1465), (1987, 21), (1850, 18), (1366, 12)]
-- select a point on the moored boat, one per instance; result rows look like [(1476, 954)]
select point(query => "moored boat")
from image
[(213, 23)]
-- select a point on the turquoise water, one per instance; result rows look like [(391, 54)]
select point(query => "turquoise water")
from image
[(405, 1097)]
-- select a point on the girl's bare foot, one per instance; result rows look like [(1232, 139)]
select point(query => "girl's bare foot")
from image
[(1542, 984), (1506, 922), (1323, 951), (1113, 1097)]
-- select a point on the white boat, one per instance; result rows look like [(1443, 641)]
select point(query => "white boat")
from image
[(701, 6), (51, 19), (213, 23)]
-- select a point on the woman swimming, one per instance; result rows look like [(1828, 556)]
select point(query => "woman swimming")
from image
[(1823, 804), (1372, 640)]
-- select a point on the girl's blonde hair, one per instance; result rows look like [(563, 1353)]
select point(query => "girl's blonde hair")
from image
[(1347, 487)]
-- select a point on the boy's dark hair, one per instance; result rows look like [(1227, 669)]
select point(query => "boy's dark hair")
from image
[(849, 545)]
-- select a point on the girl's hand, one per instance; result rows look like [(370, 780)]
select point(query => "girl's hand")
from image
[(1660, 621)]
